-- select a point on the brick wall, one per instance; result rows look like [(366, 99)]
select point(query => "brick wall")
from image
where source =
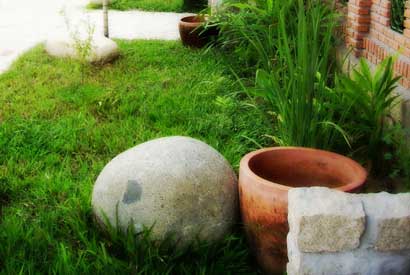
[(368, 32)]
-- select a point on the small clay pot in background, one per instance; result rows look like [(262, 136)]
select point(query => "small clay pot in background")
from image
[(266, 175), (193, 33)]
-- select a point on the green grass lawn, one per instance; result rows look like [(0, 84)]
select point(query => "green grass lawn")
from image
[(60, 124), (154, 5)]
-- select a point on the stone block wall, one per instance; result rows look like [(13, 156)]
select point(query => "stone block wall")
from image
[(332, 232)]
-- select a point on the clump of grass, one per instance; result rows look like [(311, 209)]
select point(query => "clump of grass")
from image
[(58, 128), (297, 84), (155, 5), (248, 32)]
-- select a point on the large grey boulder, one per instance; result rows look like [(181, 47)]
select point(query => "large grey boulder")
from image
[(100, 48), (180, 186)]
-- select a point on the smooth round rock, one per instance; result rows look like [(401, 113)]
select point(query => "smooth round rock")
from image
[(181, 186), (102, 49)]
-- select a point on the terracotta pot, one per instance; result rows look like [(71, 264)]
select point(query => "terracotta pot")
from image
[(266, 175), (193, 33)]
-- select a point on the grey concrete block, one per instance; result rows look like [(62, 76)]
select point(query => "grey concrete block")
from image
[(384, 245), (334, 222)]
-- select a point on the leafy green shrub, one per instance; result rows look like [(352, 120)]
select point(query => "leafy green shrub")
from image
[(398, 159), (371, 97)]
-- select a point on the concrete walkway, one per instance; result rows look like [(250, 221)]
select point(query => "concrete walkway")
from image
[(26, 23)]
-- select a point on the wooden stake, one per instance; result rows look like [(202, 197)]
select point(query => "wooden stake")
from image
[(105, 13)]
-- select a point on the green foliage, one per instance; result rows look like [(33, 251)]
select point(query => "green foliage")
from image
[(397, 15), (291, 46), (371, 97), (156, 5), (59, 128), (398, 159), (249, 32), (195, 5), (83, 47), (297, 84)]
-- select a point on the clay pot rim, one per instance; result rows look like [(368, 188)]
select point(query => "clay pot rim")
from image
[(244, 167), (193, 24)]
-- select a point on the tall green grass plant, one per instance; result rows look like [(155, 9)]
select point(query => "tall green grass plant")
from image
[(297, 85)]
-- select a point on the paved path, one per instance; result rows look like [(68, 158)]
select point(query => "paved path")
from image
[(26, 23)]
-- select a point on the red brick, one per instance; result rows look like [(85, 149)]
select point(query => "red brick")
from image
[(357, 9), (359, 19), (406, 52), (407, 70), (385, 21), (397, 67), (377, 36), (357, 52), (389, 33), (394, 44), (356, 43), (374, 59), (386, 54), (384, 12), (360, 27), (379, 27), (385, 4), (375, 19), (357, 35), (362, 3), (371, 46), (401, 67), (405, 82), (404, 69), (401, 81), (400, 39)]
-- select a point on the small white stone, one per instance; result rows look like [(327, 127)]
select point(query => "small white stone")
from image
[(102, 49)]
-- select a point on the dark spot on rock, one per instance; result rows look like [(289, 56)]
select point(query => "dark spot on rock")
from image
[(133, 192)]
